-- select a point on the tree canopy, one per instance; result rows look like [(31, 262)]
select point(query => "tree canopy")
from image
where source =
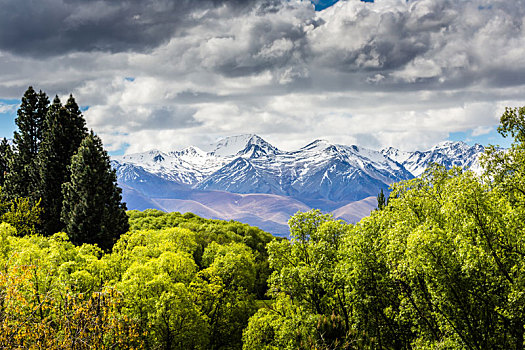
[(30, 120)]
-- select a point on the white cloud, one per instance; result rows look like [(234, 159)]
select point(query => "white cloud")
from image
[(7, 108), (386, 73), (482, 130)]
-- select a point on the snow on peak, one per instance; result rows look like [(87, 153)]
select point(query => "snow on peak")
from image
[(395, 154), (459, 145), (191, 151), (317, 145), (241, 144), (277, 171), (152, 156)]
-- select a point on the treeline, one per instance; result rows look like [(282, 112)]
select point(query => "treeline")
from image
[(61, 173)]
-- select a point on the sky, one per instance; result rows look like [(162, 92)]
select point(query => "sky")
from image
[(163, 74)]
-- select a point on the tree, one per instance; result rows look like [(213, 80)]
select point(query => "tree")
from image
[(77, 121), (308, 289), (513, 122), (381, 200), (222, 292), (92, 210), (62, 136), (22, 214), (52, 297), (30, 121), (5, 157)]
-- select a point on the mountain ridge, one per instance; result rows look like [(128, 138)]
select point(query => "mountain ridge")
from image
[(318, 175)]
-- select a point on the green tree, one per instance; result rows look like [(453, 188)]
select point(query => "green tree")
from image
[(513, 122), (156, 292), (307, 287), (153, 268), (223, 292), (52, 296), (92, 210), (23, 215), (381, 200), (30, 122), (77, 123), (6, 154), (62, 137)]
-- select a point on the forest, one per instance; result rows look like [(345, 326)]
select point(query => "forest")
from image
[(439, 265)]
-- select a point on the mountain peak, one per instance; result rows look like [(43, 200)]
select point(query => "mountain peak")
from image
[(241, 145), (191, 151), (316, 145), (245, 167), (450, 144)]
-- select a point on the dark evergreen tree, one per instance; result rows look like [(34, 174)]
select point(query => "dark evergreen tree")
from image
[(30, 120), (381, 200), (75, 114), (92, 210), (42, 106), (5, 156), (63, 133)]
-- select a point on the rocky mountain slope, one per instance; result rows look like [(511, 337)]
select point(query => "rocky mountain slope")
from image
[(446, 153)]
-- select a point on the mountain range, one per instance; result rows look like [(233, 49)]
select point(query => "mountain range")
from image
[(247, 179)]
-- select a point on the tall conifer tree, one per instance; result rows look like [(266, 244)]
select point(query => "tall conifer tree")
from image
[(77, 121), (42, 106), (92, 210), (5, 156), (30, 121), (63, 133), (381, 200)]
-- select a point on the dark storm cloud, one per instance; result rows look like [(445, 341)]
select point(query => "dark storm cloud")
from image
[(272, 45), (169, 118), (54, 27)]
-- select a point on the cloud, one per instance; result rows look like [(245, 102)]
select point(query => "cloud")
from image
[(482, 130), (7, 108), (55, 27), (392, 72), (130, 120)]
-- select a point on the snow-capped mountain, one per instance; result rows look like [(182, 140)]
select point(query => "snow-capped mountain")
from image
[(321, 175), (248, 164), (319, 170), (191, 165), (248, 145), (447, 153)]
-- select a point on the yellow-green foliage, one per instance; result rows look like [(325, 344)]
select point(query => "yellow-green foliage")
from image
[(52, 296), (173, 282), (442, 266), (21, 213), (192, 282)]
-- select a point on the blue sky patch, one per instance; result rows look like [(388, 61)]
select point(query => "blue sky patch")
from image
[(120, 152), (7, 117), (492, 138), (322, 4)]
